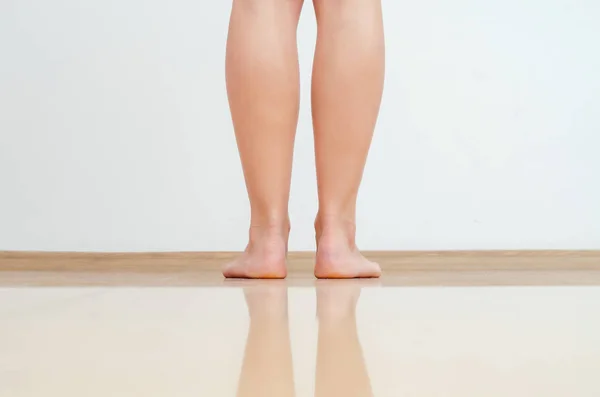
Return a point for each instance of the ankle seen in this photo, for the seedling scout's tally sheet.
(261, 233)
(336, 228)
(269, 226)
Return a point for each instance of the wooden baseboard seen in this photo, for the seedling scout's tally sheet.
(202, 269)
(300, 261)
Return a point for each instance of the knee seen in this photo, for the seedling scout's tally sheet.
(346, 10)
(261, 5)
(338, 6)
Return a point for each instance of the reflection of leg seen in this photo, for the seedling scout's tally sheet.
(341, 369)
(267, 368)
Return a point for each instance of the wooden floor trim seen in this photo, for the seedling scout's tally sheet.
(301, 261)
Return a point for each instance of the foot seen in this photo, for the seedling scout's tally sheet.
(264, 257)
(338, 256)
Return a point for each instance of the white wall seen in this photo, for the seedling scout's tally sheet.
(115, 133)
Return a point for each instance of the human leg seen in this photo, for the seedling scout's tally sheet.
(263, 89)
(347, 87)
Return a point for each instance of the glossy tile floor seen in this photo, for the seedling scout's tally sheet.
(328, 339)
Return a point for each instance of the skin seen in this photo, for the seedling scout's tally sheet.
(263, 89)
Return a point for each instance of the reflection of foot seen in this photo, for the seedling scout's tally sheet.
(341, 369)
(267, 368)
(338, 257)
(337, 300)
(267, 300)
(264, 257)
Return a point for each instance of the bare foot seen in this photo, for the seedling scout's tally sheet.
(338, 256)
(264, 257)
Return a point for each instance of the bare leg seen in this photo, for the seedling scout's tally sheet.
(347, 88)
(267, 369)
(263, 88)
(341, 369)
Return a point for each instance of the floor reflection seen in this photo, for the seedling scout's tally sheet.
(267, 365)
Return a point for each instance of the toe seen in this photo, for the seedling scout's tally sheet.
(375, 270)
(232, 271)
